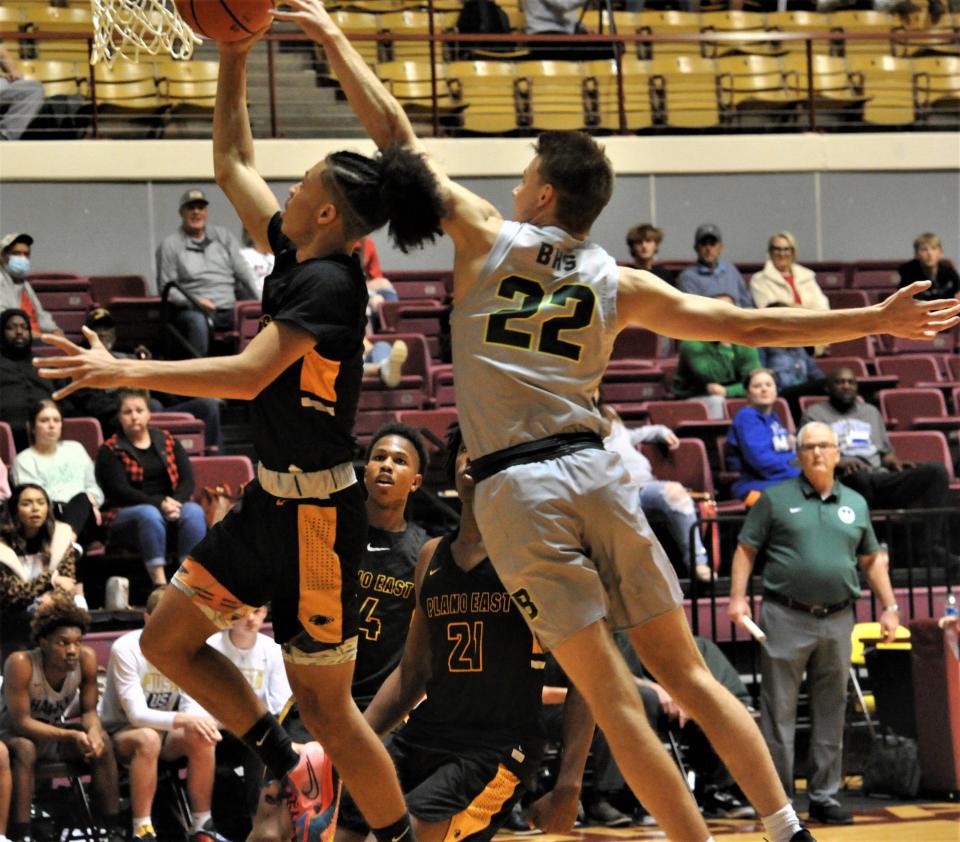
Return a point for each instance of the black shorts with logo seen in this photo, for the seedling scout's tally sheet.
(302, 556)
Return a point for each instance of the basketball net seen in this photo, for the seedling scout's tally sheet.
(128, 27)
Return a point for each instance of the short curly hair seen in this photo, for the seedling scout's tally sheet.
(61, 612)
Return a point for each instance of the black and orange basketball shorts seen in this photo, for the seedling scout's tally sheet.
(300, 555)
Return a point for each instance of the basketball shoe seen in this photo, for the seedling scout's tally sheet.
(311, 795)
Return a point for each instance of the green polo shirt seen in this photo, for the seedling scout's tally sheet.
(812, 544)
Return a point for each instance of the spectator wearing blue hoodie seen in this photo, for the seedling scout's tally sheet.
(759, 446)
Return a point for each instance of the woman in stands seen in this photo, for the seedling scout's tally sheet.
(63, 468)
(784, 281)
(28, 570)
(148, 481)
(759, 447)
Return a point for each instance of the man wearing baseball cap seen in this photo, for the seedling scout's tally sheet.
(205, 260)
(15, 289)
(710, 276)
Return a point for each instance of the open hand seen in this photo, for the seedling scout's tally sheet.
(310, 15)
(909, 318)
(87, 368)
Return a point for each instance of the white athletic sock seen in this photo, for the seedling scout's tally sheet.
(142, 821)
(199, 820)
(783, 824)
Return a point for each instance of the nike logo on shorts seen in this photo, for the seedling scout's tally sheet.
(373, 549)
(261, 741)
(312, 791)
(398, 838)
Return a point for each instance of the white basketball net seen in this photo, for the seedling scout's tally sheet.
(127, 27)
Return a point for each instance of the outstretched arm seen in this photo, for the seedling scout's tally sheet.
(466, 214)
(233, 162)
(646, 301)
(243, 375)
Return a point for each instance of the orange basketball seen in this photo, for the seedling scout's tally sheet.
(225, 20)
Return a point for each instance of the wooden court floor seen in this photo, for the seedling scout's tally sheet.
(914, 822)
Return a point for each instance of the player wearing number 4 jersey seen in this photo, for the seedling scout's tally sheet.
(536, 310)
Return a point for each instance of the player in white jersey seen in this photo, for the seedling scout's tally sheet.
(150, 719)
(536, 309)
(39, 687)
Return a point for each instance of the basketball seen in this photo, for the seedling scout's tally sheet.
(225, 20)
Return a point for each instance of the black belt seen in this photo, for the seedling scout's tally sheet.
(552, 447)
(816, 610)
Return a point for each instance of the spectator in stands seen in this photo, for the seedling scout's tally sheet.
(711, 372)
(379, 287)
(644, 242)
(103, 404)
(560, 17)
(717, 793)
(759, 447)
(148, 481)
(40, 685)
(710, 276)
(151, 719)
(15, 289)
(261, 262)
(29, 570)
(20, 99)
(814, 531)
(667, 500)
(260, 660)
(869, 464)
(20, 384)
(928, 264)
(64, 469)
(784, 281)
(795, 372)
(206, 261)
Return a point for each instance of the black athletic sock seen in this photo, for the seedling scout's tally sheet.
(271, 743)
(401, 829)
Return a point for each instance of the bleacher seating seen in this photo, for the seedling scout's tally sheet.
(916, 409)
(211, 471)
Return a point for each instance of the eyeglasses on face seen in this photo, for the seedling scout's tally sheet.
(817, 445)
(781, 249)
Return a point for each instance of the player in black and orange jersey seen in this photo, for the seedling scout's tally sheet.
(466, 751)
(396, 463)
(297, 538)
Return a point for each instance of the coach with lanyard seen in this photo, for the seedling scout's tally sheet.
(815, 530)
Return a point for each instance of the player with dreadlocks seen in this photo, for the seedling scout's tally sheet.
(297, 538)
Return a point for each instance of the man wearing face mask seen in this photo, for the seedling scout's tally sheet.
(15, 289)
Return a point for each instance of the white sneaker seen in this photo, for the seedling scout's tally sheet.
(391, 369)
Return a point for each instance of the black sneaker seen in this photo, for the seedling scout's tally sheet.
(829, 814)
(726, 804)
(604, 813)
(517, 824)
(802, 835)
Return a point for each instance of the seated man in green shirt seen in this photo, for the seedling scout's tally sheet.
(711, 372)
(815, 531)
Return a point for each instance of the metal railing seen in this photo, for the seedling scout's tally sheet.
(806, 98)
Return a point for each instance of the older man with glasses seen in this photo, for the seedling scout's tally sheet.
(815, 532)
